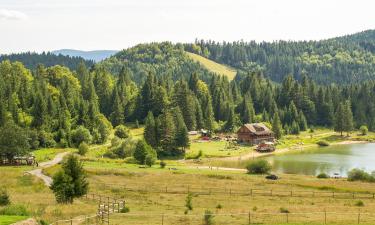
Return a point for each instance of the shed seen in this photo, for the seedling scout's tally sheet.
(255, 133)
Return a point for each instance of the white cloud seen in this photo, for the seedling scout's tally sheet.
(6, 14)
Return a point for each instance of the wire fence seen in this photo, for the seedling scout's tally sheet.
(245, 218)
(184, 189)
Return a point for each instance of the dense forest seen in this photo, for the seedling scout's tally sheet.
(31, 60)
(341, 60)
(159, 86)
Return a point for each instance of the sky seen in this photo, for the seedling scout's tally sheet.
(45, 25)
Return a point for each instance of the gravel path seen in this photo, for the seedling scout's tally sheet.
(39, 173)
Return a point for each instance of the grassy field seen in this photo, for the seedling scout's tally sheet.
(213, 66)
(6, 220)
(155, 194)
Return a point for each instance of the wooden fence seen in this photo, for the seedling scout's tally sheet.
(184, 189)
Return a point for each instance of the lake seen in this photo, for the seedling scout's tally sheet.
(332, 159)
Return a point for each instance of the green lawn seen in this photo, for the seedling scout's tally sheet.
(216, 149)
(6, 220)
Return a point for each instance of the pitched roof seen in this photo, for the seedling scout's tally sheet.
(258, 128)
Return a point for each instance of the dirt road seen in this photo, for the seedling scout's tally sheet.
(39, 173)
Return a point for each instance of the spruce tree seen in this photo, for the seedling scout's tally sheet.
(276, 126)
(150, 130)
(348, 117)
(340, 119)
(181, 136)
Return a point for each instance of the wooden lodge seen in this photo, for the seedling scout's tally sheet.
(255, 133)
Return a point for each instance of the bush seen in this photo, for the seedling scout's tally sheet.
(150, 159)
(46, 140)
(122, 131)
(258, 167)
(208, 218)
(284, 210)
(363, 129)
(14, 210)
(141, 151)
(81, 134)
(322, 176)
(322, 143)
(162, 164)
(359, 203)
(360, 175)
(83, 148)
(219, 206)
(189, 202)
(4, 198)
(125, 210)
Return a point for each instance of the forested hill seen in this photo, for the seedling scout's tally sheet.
(162, 59)
(339, 60)
(31, 60)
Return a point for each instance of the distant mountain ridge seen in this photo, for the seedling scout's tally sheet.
(96, 55)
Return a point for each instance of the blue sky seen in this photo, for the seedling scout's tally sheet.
(43, 25)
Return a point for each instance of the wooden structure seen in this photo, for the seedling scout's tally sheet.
(255, 133)
(18, 160)
(266, 147)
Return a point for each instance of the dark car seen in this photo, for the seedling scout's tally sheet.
(272, 177)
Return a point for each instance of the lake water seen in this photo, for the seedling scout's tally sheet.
(332, 159)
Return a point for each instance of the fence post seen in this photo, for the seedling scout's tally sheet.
(291, 193)
(162, 219)
(249, 218)
(271, 192)
(359, 217)
(333, 194)
(287, 218)
(325, 216)
(166, 189)
(71, 220)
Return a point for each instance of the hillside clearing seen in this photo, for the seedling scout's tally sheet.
(213, 66)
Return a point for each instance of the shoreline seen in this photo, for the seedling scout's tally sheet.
(254, 154)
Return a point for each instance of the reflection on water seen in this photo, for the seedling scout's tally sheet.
(333, 159)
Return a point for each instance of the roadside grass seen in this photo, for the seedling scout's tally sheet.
(6, 220)
(46, 154)
(38, 199)
(214, 66)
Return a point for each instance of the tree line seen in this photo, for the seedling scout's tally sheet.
(55, 106)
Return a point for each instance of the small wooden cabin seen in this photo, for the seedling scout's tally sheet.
(255, 133)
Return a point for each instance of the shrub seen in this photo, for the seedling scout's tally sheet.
(189, 202)
(46, 140)
(122, 131)
(83, 148)
(258, 167)
(363, 129)
(284, 210)
(219, 206)
(125, 210)
(162, 164)
(208, 218)
(359, 203)
(322, 143)
(359, 175)
(81, 134)
(322, 176)
(141, 151)
(150, 159)
(14, 210)
(4, 198)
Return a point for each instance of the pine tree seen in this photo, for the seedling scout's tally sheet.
(39, 111)
(340, 119)
(117, 115)
(150, 130)
(348, 117)
(181, 136)
(276, 126)
(302, 121)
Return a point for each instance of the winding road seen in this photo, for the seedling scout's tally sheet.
(39, 173)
